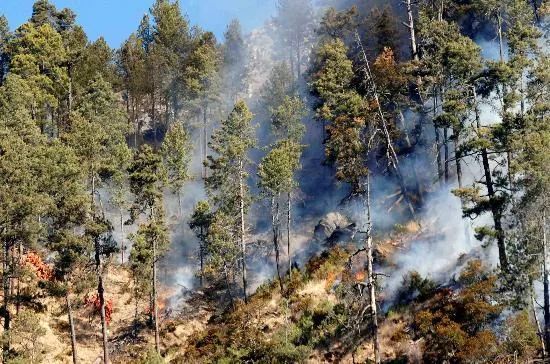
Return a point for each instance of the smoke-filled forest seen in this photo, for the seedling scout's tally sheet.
(355, 181)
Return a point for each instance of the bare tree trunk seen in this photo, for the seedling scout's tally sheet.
(71, 326)
(545, 283)
(437, 140)
(100, 292)
(204, 142)
(500, 38)
(458, 161)
(121, 237)
(275, 226)
(299, 60)
(180, 207)
(535, 5)
(288, 222)
(242, 227)
(99, 272)
(5, 303)
(291, 59)
(372, 278)
(412, 34)
(540, 334)
(155, 307)
(202, 249)
(18, 282)
(410, 147)
(495, 210)
(393, 160)
(446, 149)
(227, 283)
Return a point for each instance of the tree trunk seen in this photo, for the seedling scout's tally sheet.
(99, 272)
(153, 114)
(275, 226)
(446, 149)
(180, 207)
(71, 326)
(495, 210)
(5, 303)
(546, 284)
(291, 59)
(535, 5)
(500, 38)
(437, 140)
(100, 292)
(202, 248)
(227, 283)
(18, 282)
(288, 222)
(155, 307)
(204, 142)
(372, 278)
(412, 34)
(121, 237)
(540, 334)
(393, 160)
(242, 227)
(410, 147)
(299, 60)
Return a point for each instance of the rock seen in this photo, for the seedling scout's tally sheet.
(334, 228)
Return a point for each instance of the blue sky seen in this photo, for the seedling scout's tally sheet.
(116, 19)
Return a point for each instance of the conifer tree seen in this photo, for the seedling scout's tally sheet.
(176, 152)
(69, 209)
(227, 183)
(200, 223)
(147, 178)
(23, 199)
(279, 85)
(234, 60)
(276, 172)
(294, 20)
(97, 133)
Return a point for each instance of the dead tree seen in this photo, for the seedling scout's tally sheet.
(393, 160)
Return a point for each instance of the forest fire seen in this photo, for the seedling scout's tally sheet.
(42, 270)
(280, 190)
(94, 303)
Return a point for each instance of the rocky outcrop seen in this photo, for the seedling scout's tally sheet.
(334, 228)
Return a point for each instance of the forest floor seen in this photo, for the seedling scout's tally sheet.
(199, 316)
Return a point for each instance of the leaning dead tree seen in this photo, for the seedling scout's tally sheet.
(391, 155)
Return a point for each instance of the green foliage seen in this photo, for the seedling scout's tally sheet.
(416, 287)
(231, 144)
(24, 335)
(279, 85)
(176, 152)
(152, 357)
(277, 168)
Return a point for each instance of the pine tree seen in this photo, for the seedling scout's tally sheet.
(176, 152)
(294, 20)
(97, 134)
(4, 39)
(147, 178)
(276, 172)
(227, 183)
(344, 108)
(234, 61)
(278, 86)
(64, 180)
(202, 82)
(200, 223)
(23, 199)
